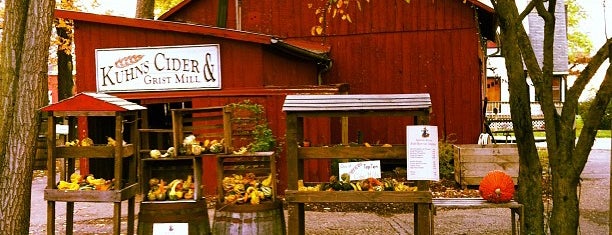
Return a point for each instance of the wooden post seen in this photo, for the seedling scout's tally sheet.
(423, 213)
(50, 171)
(295, 222)
(227, 129)
(177, 130)
(118, 170)
(133, 170)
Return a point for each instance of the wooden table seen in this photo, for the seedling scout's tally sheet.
(479, 203)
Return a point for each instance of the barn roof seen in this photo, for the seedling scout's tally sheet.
(486, 15)
(477, 3)
(303, 50)
(97, 102)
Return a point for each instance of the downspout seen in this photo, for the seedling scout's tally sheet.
(238, 14)
(323, 68)
(483, 72)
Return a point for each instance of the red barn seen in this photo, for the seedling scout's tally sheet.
(271, 48)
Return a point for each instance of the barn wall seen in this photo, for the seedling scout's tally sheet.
(390, 47)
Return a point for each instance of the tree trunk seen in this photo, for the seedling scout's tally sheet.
(65, 82)
(564, 218)
(24, 54)
(570, 160)
(530, 169)
(145, 9)
(566, 157)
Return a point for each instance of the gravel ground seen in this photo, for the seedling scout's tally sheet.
(96, 218)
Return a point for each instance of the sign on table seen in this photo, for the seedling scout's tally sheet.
(422, 152)
(360, 170)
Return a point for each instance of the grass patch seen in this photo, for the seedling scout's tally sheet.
(600, 133)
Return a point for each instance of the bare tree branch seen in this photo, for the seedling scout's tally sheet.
(528, 9)
(543, 12)
(592, 121)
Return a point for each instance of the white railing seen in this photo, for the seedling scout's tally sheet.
(503, 108)
(498, 116)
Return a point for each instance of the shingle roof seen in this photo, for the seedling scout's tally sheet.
(536, 34)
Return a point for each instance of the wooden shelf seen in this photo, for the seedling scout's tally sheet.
(344, 152)
(178, 158)
(92, 195)
(102, 151)
(358, 196)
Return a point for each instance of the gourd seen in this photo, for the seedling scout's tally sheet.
(497, 187)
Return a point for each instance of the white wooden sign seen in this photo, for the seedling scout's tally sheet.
(170, 228)
(360, 170)
(423, 154)
(190, 67)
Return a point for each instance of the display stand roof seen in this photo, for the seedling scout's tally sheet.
(93, 102)
(358, 103)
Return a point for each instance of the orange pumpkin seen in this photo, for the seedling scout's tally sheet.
(497, 187)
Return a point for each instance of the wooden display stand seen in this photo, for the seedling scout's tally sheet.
(297, 107)
(83, 105)
(205, 123)
(264, 218)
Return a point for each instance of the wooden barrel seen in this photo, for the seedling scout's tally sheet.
(265, 218)
(194, 213)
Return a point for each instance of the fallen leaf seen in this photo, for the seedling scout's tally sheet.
(319, 30)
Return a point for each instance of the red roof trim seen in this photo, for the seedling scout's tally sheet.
(173, 10)
(165, 25)
(314, 47)
(481, 5)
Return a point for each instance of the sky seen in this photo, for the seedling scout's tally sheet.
(118, 7)
(598, 25)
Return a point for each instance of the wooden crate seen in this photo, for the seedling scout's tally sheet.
(262, 164)
(472, 161)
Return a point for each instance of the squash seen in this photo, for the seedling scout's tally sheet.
(497, 187)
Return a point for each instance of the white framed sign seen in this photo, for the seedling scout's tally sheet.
(360, 170)
(422, 153)
(189, 67)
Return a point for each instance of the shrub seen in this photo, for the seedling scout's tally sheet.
(446, 156)
(583, 108)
